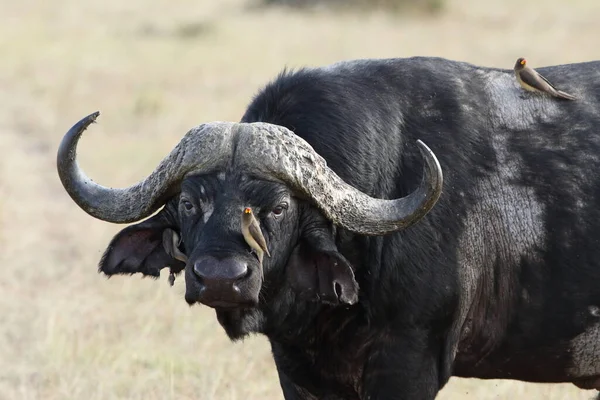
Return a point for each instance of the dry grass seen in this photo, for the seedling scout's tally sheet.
(155, 69)
(404, 6)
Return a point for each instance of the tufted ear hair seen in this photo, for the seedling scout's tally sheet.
(146, 247)
(316, 270)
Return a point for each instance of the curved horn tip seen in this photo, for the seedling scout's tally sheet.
(432, 161)
(433, 175)
(66, 148)
(75, 132)
(87, 121)
(425, 150)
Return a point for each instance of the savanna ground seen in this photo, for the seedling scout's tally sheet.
(155, 69)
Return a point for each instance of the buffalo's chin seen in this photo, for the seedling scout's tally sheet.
(222, 305)
(240, 322)
(240, 301)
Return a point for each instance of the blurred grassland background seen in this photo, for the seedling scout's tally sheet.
(155, 69)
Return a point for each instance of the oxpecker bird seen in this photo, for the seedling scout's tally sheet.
(253, 235)
(533, 81)
(171, 243)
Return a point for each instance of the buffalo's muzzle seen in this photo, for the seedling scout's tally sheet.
(221, 283)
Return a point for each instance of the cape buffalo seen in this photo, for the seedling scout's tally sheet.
(384, 279)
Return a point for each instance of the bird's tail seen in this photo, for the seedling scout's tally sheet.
(565, 95)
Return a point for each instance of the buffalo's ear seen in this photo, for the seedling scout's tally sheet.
(141, 248)
(321, 275)
(316, 270)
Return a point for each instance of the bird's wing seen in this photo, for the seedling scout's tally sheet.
(531, 76)
(546, 80)
(256, 233)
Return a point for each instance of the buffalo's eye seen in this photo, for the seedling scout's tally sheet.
(277, 211)
(187, 205)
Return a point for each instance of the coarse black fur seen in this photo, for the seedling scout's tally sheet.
(495, 282)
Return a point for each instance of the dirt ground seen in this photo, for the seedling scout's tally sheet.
(155, 69)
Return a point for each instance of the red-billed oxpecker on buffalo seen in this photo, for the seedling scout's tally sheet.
(253, 235)
(533, 81)
(384, 279)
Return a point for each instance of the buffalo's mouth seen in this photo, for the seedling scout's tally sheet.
(217, 304)
(195, 295)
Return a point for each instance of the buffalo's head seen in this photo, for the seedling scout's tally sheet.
(205, 183)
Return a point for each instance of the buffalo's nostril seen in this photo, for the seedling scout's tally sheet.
(198, 269)
(243, 272)
(245, 276)
(247, 273)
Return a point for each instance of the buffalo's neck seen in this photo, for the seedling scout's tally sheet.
(325, 346)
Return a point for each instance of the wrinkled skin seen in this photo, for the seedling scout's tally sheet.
(499, 281)
(207, 215)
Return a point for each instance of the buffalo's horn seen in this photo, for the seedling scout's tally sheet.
(276, 152)
(203, 149)
(261, 148)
